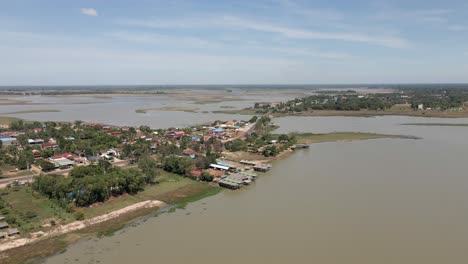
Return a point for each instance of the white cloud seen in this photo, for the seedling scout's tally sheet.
(456, 28)
(387, 41)
(89, 11)
(237, 23)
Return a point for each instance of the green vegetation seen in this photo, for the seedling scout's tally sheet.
(168, 108)
(91, 184)
(417, 101)
(238, 112)
(309, 138)
(436, 124)
(6, 120)
(29, 210)
(31, 111)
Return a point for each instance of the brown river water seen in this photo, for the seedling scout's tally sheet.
(377, 201)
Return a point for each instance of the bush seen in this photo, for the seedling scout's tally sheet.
(30, 214)
(78, 215)
(206, 177)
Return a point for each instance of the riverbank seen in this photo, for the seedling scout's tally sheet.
(106, 218)
(167, 108)
(309, 138)
(360, 113)
(435, 124)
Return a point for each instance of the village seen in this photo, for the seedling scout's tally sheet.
(228, 154)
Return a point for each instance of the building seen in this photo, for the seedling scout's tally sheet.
(12, 232)
(7, 140)
(36, 153)
(50, 145)
(219, 167)
(262, 167)
(36, 141)
(63, 162)
(420, 107)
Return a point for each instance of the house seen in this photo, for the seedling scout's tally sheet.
(192, 153)
(36, 153)
(262, 167)
(215, 173)
(36, 141)
(37, 129)
(140, 136)
(219, 167)
(63, 162)
(420, 107)
(80, 154)
(50, 145)
(7, 140)
(2, 218)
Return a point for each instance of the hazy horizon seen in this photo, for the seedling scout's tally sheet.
(220, 42)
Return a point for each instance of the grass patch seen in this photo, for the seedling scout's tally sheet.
(215, 100)
(167, 108)
(435, 124)
(172, 189)
(31, 111)
(370, 113)
(30, 209)
(6, 120)
(236, 112)
(168, 182)
(309, 138)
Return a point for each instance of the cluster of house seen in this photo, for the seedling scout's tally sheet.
(5, 230)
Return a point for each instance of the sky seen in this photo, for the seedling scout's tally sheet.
(145, 42)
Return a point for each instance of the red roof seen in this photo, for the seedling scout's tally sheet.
(49, 144)
(196, 173)
(64, 155)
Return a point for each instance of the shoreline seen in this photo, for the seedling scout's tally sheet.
(54, 241)
(362, 113)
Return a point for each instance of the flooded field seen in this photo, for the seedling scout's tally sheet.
(378, 201)
(131, 109)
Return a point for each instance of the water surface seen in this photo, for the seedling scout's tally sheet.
(377, 201)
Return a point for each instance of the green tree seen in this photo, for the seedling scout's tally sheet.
(149, 167)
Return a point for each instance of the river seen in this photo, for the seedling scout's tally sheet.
(377, 201)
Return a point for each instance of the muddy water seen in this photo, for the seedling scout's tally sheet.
(377, 201)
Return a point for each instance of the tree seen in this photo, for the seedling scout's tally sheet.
(283, 138)
(25, 159)
(45, 165)
(149, 168)
(206, 177)
(178, 165)
(253, 119)
(22, 140)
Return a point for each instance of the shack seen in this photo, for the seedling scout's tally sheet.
(248, 162)
(4, 225)
(229, 184)
(219, 167)
(13, 232)
(262, 167)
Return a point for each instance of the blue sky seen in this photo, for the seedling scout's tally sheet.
(56, 42)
